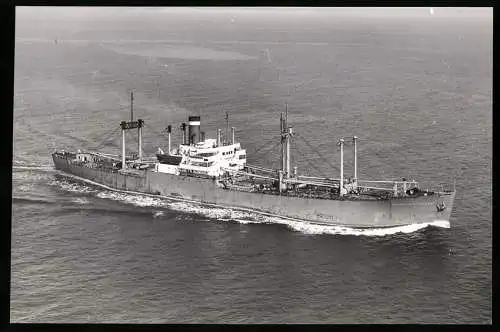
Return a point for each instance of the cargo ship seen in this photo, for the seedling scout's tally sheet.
(214, 171)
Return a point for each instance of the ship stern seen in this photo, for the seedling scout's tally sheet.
(61, 160)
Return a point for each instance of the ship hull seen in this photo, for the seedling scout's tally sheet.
(358, 214)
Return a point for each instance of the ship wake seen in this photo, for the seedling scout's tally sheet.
(342, 230)
(27, 167)
(236, 215)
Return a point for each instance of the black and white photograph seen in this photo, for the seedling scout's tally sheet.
(252, 165)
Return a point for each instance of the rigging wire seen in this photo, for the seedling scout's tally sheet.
(99, 139)
(108, 137)
(307, 162)
(311, 165)
(269, 148)
(273, 157)
(153, 130)
(265, 146)
(316, 151)
(159, 135)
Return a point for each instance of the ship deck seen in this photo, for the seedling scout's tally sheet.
(257, 180)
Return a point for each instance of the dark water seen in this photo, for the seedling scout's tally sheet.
(417, 90)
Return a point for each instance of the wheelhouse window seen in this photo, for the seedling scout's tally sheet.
(206, 154)
(202, 163)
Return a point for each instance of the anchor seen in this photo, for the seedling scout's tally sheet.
(440, 206)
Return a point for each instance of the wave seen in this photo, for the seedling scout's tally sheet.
(72, 187)
(131, 199)
(342, 230)
(27, 179)
(157, 214)
(24, 187)
(80, 200)
(32, 200)
(41, 168)
(249, 217)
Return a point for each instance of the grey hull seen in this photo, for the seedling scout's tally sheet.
(357, 214)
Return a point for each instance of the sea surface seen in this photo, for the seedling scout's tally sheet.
(416, 89)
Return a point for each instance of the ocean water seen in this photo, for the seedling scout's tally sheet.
(416, 89)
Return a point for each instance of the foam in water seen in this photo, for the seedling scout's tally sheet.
(72, 187)
(80, 200)
(440, 223)
(223, 214)
(31, 173)
(142, 201)
(314, 229)
(25, 187)
(157, 214)
(245, 217)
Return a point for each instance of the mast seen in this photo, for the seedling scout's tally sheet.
(354, 140)
(341, 186)
(131, 125)
(137, 124)
(281, 184)
(285, 130)
(139, 133)
(183, 128)
(123, 144)
(131, 106)
(288, 134)
(286, 114)
(227, 130)
(283, 151)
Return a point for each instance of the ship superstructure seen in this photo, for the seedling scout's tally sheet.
(199, 156)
